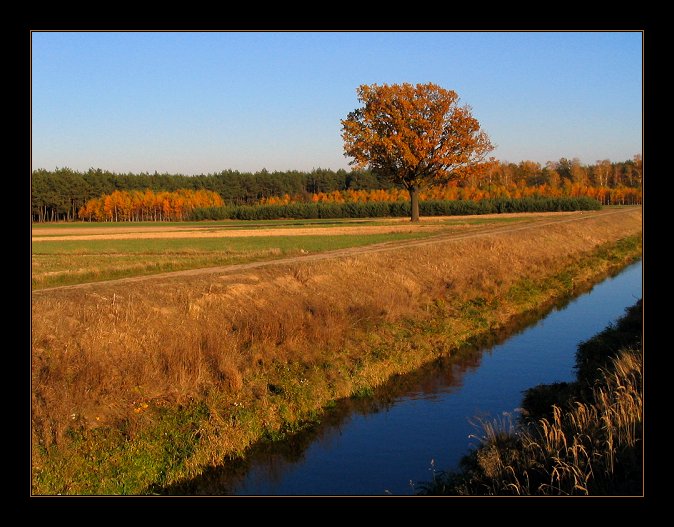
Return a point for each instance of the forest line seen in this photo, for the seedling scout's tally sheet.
(59, 195)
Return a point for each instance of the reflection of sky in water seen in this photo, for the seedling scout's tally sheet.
(371, 453)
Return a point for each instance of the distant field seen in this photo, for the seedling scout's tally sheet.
(55, 229)
(74, 253)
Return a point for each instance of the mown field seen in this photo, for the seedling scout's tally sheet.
(74, 253)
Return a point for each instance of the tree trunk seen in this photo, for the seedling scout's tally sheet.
(414, 202)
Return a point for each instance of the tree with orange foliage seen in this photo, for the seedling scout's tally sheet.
(415, 135)
(135, 205)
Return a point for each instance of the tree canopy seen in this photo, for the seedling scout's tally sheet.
(414, 135)
(58, 195)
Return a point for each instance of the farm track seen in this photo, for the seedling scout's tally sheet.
(355, 251)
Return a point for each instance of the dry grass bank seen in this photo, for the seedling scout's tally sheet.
(251, 345)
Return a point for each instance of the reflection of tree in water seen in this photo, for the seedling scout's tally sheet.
(270, 460)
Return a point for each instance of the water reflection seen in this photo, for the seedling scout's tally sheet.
(271, 460)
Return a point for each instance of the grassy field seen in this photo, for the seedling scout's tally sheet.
(73, 262)
(59, 262)
(137, 386)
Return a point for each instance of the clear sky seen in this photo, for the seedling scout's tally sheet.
(202, 102)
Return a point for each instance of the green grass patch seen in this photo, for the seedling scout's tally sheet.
(153, 246)
(57, 263)
(111, 460)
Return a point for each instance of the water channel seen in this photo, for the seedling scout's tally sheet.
(389, 443)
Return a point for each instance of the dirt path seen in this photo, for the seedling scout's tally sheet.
(354, 251)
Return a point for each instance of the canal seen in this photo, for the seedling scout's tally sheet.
(389, 443)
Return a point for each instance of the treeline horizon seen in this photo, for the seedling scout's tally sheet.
(58, 195)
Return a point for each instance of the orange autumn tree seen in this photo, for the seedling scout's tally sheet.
(415, 135)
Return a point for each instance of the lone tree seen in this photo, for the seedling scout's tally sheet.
(415, 135)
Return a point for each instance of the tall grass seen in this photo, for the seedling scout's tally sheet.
(235, 357)
(593, 447)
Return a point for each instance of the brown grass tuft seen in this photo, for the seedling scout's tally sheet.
(591, 449)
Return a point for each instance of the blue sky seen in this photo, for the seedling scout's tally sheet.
(203, 102)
